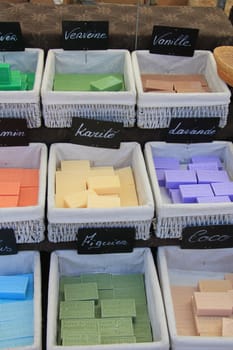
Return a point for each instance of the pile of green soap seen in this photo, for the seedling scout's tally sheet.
(88, 82)
(102, 308)
(15, 80)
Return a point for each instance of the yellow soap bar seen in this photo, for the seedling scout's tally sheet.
(108, 184)
(101, 171)
(76, 200)
(103, 201)
(128, 196)
(125, 175)
(77, 164)
(68, 182)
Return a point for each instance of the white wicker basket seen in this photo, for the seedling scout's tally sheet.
(172, 218)
(27, 263)
(63, 224)
(27, 222)
(155, 110)
(69, 263)
(60, 107)
(23, 104)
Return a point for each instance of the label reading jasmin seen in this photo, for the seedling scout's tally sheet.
(13, 132)
(7, 242)
(103, 240)
(192, 130)
(173, 41)
(96, 133)
(85, 35)
(207, 237)
(11, 37)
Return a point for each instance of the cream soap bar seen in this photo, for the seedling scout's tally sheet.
(212, 303)
(103, 201)
(104, 184)
(76, 200)
(76, 164)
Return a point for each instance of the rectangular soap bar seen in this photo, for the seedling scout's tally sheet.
(81, 291)
(68, 182)
(104, 184)
(77, 309)
(158, 85)
(213, 199)
(126, 280)
(166, 162)
(76, 199)
(13, 286)
(175, 195)
(101, 170)
(9, 188)
(214, 285)
(103, 201)
(206, 176)
(116, 326)
(174, 177)
(109, 83)
(205, 165)
(211, 326)
(189, 193)
(28, 196)
(103, 280)
(75, 164)
(118, 308)
(213, 303)
(81, 339)
(9, 201)
(227, 327)
(207, 158)
(223, 189)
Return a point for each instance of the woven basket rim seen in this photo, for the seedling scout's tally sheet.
(224, 59)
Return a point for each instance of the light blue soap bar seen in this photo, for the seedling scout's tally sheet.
(12, 343)
(18, 328)
(29, 293)
(13, 287)
(17, 309)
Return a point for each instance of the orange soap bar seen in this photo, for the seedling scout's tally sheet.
(28, 196)
(9, 188)
(158, 85)
(210, 326)
(212, 303)
(29, 178)
(8, 201)
(10, 174)
(214, 285)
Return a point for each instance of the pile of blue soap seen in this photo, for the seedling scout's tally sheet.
(16, 310)
(202, 180)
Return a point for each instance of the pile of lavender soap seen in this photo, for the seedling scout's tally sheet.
(202, 180)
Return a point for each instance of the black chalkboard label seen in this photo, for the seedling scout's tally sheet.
(103, 240)
(85, 35)
(13, 132)
(173, 41)
(192, 130)
(207, 237)
(7, 242)
(90, 132)
(11, 38)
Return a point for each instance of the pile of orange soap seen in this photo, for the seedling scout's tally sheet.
(174, 83)
(18, 187)
(209, 307)
(80, 185)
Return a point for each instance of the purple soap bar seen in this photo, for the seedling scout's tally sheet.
(205, 176)
(174, 178)
(189, 193)
(206, 158)
(207, 165)
(175, 195)
(166, 163)
(213, 199)
(160, 177)
(223, 189)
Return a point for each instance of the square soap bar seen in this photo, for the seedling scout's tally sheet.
(189, 193)
(174, 178)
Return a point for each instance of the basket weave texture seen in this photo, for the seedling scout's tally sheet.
(224, 59)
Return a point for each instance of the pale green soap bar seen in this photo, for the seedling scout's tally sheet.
(106, 294)
(117, 340)
(118, 308)
(109, 83)
(144, 339)
(81, 339)
(86, 326)
(116, 326)
(81, 291)
(131, 292)
(103, 280)
(142, 329)
(122, 281)
(77, 309)
(142, 311)
(5, 73)
(80, 82)
(67, 280)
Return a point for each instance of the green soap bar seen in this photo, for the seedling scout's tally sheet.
(131, 292)
(30, 80)
(103, 280)
(106, 294)
(67, 280)
(5, 74)
(109, 83)
(80, 82)
(15, 82)
(128, 280)
(121, 326)
(86, 326)
(142, 328)
(118, 308)
(117, 340)
(98, 310)
(77, 309)
(144, 339)
(81, 339)
(81, 291)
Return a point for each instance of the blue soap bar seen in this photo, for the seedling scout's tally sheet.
(205, 176)
(189, 193)
(160, 177)
(13, 286)
(13, 343)
(174, 178)
(166, 162)
(214, 199)
(223, 189)
(175, 195)
(207, 158)
(17, 309)
(206, 165)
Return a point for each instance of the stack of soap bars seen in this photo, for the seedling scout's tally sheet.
(102, 308)
(15, 80)
(88, 82)
(16, 310)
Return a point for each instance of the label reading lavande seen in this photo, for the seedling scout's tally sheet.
(13, 132)
(96, 133)
(7, 242)
(103, 240)
(192, 130)
(85, 35)
(173, 41)
(11, 38)
(207, 237)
